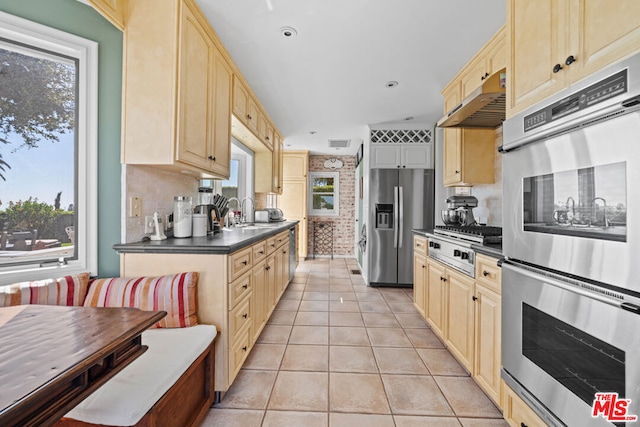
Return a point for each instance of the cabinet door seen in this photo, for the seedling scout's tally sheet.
(221, 141)
(285, 267)
(602, 34)
(240, 101)
(538, 31)
(271, 268)
(496, 56)
(195, 87)
(436, 298)
(253, 114)
(460, 318)
(277, 166)
(473, 77)
(295, 165)
(419, 283)
(385, 156)
(417, 156)
(452, 147)
(516, 412)
(488, 357)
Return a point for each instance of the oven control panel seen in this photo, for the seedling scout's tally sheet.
(609, 87)
(454, 255)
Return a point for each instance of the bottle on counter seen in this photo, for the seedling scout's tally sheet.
(182, 216)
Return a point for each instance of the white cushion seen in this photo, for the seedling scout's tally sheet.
(129, 395)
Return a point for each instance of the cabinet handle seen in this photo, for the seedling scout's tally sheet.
(475, 298)
(485, 76)
(212, 158)
(284, 252)
(457, 172)
(267, 268)
(244, 348)
(244, 316)
(523, 425)
(418, 244)
(404, 166)
(273, 245)
(245, 286)
(261, 252)
(570, 60)
(266, 137)
(485, 273)
(557, 68)
(423, 266)
(245, 262)
(249, 116)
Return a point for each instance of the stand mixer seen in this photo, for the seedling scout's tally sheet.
(460, 211)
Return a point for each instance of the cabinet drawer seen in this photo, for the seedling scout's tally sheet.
(516, 412)
(281, 238)
(271, 245)
(488, 272)
(259, 251)
(240, 317)
(240, 348)
(239, 263)
(239, 288)
(420, 245)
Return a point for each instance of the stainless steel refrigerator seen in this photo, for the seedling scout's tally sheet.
(401, 200)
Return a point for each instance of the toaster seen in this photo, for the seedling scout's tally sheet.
(269, 215)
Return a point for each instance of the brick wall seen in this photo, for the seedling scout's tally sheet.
(344, 224)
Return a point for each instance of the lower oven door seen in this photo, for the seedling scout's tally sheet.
(563, 343)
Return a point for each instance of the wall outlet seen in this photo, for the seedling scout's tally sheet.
(148, 224)
(135, 207)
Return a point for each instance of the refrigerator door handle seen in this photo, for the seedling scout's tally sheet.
(395, 217)
(401, 218)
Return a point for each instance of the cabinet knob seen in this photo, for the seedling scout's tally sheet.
(398, 166)
(244, 348)
(423, 266)
(212, 158)
(475, 298)
(249, 116)
(266, 137)
(485, 76)
(557, 68)
(457, 172)
(403, 166)
(245, 286)
(244, 316)
(570, 60)
(261, 252)
(245, 262)
(523, 425)
(485, 273)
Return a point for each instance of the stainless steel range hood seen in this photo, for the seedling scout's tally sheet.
(483, 108)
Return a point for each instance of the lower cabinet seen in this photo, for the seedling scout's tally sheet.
(516, 412)
(236, 292)
(464, 313)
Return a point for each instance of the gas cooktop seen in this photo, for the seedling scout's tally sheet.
(474, 233)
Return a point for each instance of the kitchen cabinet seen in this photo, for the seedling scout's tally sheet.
(177, 101)
(516, 412)
(491, 59)
(112, 10)
(409, 156)
(554, 44)
(237, 292)
(245, 107)
(293, 200)
(277, 165)
(465, 313)
(419, 273)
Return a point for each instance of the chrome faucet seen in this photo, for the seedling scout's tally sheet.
(253, 206)
(594, 212)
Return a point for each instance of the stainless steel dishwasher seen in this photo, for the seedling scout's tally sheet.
(292, 252)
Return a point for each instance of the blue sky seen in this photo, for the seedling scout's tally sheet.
(38, 172)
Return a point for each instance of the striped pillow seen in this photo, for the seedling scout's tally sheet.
(175, 294)
(68, 290)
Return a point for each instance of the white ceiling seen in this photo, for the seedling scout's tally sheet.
(331, 77)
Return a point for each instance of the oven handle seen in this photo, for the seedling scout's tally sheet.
(575, 286)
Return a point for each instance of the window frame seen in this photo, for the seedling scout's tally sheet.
(336, 194)
(86, 51)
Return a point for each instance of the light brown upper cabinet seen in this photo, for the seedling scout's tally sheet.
(488, 61)
(553, 44)
(112, 10)
(186, 126)
(245, 107)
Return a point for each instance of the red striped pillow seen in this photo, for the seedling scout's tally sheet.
(68, 290)
(175, 294)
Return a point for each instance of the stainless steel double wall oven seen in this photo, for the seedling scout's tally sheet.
(571, 240)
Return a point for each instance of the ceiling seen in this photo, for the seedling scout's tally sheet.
(331, 77)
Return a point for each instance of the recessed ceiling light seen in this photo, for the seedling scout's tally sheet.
(288, 31)
(391, 83)
(313, 132)
(288, 145)
(409, 118)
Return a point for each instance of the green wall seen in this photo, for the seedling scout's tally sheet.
(76, 18)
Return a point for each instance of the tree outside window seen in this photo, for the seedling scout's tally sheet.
(324, 191)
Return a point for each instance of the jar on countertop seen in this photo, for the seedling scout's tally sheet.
(182, 216)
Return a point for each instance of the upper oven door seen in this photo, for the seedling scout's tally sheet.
(572, 202)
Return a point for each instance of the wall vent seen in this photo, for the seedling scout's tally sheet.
(339, 143)
(401, 136)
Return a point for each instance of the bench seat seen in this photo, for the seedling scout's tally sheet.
(151, 383)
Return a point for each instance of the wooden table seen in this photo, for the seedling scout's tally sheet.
(52, 357)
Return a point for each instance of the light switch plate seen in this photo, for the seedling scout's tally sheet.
(135, 207)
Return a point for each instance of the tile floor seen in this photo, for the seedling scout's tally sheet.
(339, 353)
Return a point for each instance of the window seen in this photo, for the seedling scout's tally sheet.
(48, 143)
(240, 182)
(323, 188)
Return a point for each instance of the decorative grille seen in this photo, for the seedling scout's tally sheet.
(401, 136)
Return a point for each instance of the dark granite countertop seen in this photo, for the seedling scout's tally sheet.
(224, 242)
(489, 249)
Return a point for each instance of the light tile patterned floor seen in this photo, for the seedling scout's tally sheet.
(339, 353)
